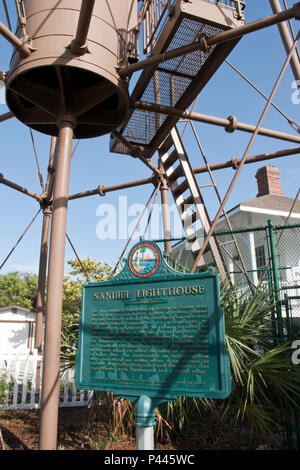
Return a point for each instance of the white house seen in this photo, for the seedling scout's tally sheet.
(17, 330)
(270, 203)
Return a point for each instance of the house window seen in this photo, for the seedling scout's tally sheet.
(260, 255)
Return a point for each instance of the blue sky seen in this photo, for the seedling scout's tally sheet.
(259, 56)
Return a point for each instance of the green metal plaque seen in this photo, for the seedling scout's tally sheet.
(153, 331)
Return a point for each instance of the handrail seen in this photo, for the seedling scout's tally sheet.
(154, 13)
(237, 4)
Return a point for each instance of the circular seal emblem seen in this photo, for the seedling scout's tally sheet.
(144, 259)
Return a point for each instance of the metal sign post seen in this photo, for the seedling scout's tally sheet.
(145, 422)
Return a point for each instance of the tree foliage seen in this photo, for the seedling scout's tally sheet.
(18, 289)
(264, 381)
(77, 276)
(21, 289)
(93, 271)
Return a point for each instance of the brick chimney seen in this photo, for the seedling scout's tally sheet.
(268, 181)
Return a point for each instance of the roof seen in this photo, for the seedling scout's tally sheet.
(10, 307)
(270, 202)
(273, 202)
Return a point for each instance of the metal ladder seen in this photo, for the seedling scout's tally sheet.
(187, 196)
(190, 203)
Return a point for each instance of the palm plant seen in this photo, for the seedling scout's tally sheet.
(264, 380)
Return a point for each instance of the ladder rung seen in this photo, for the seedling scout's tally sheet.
(175, 174)
(180, 189)
(165, 146)
(187, 202)
(190, 217)
(190, 232)
(206, 185)
(192, 238)
(167, 162)
(226, 243)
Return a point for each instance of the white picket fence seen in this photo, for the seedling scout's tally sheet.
(19, 388)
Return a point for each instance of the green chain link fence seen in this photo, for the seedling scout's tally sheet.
(259, 256)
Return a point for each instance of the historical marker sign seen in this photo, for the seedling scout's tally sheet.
(153, 331)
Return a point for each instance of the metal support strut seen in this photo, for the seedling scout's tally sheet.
(50, 388)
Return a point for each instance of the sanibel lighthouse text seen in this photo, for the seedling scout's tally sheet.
(153, 292)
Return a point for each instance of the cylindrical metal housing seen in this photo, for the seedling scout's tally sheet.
(55, 80)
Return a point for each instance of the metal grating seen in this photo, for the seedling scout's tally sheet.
(176, 82)
(170, 81)
(189, 32)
